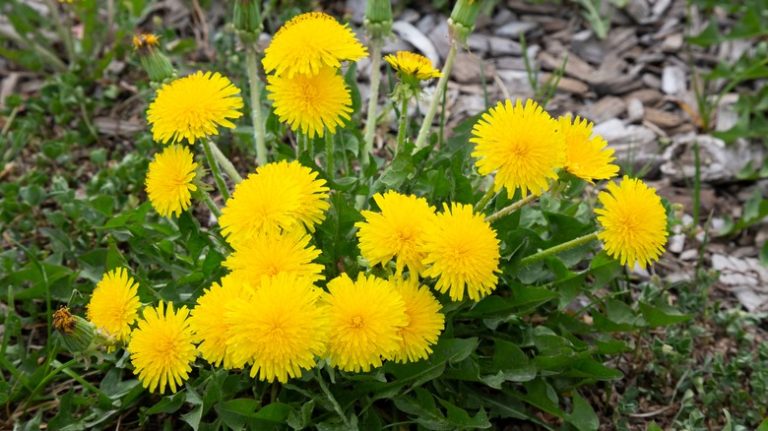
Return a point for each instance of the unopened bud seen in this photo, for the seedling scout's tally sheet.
(463, 17)
(154, 62)
(246, 17)
(378, 18)
(76, 333)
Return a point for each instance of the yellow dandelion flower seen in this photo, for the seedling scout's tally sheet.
(462, 252)
(169, 181)
(412, 65)
(634, 222)
(397, 231)
(114, 304)
(145, 40)
(282, 195)
(586, 156)
(310, 42)
(365, 320)
(311, 103)
(193, 107)
(280, 329)
(162, 348)
(205, 320)
(272, 253)
(521, 144)
(425, 321)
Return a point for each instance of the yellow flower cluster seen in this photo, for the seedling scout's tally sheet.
(306, 88)
(456, 246)
(524, 148)
(189, 108)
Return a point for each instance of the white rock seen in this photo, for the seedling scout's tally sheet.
(673, 80)
(515, 28)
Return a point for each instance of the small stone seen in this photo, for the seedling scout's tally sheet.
(606, 108)
(673, 80)
(676, 243)
(515, 28)
(502, 46)
(634, 110)
(690, 254)
(651, 80)
(514, 63)
(672, 43)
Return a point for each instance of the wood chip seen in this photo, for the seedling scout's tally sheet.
(663, 119)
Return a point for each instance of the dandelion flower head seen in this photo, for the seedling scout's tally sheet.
(310, 42)
(280, 329)
(425, 321)
(311, 103)
(520, 144)
(162, 348)
(170, 180)
(114, 304)
(633, 221)
(411, 65)
(208, 327)
(271, 253)
(366, 317)
(587, 155)
(279, 196)
(396, 231)
(193, 107)
(462, 253)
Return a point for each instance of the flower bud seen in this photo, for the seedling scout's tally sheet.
(247, 17)
(378, 18)
(463, 17)
(154, 62)
(76, 333)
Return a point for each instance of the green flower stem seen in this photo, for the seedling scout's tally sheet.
(206, 198)
(328, 394)
(373, 99)
(64, 32)
(226, 164)
(252, 67)
(330, 166)
(421, 139)
(558, 249)
(511, 208)
(403, 126)
(486, 199)
(220, 184)
(299, 144)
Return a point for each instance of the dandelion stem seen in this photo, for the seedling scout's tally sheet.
(421, 139)
(332, 399)
(486, 199)
(330, 165)
(403, 126)
(558, 249)
(220, 184)
(252, 67)
(206, 198)
(64, 32)
(373, 101)
(226, 164)
(511, 208)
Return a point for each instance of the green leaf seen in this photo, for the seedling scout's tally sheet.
(662, 315)
(582, 417)
(522, 298)
(167, 404)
